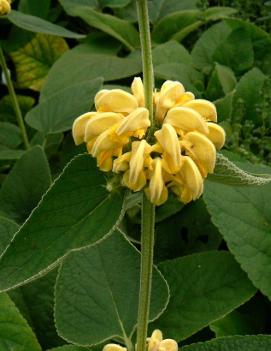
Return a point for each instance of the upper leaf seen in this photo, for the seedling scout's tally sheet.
(76, 211)
(39, 25)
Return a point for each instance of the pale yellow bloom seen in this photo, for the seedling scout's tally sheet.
(5, 7)
(135, 177)
(156, 342)
(168, 140)
(157, 191)
(183, 154)
(138, 91)
(188, 183)
(115, 100)
(114, 347)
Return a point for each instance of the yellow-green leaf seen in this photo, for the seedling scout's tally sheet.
(33, 61)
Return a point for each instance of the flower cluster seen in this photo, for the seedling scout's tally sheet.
(5, 7)
(178, 156)
(154, 343)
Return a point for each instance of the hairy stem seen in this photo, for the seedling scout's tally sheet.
(148, 210)
(14, 100)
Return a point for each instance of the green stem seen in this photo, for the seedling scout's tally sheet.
(148, 210)
(145, 39)
(147, 243)
(14, 100)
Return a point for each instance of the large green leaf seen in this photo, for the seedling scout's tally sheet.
(69, 348)
(10, 135)
(236, 51)
(25, 184)
(57, 113)
(10, 154)
(114, 26)
(15, 333)
(65, 73)
(78, 210)
(243, 217)
(206, 45)
(7, 111)
(203, 287)
(249, 92)
(7, 230)
(33, 61)
(171, 52)
(222, 82)
(40, 8)
(234, 343)
(39, 25)
(106, 277)
(179, 24)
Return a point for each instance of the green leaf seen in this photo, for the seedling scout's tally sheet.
(25, 184)
(206, 45)
(169, 208)
(39, 25)
(171, 52)
(233, 343)
(243, 218)
(65, 73)
(249, 91)
(170, 26)
(57, 113)
(9, 154)
(106, 277)
(120, 29)
(236, 51)
(114, 3)
(10, 135)
(224, 107)
(35, 301)
(249, 319)
(228, 173)
(203, 287)
(69, 348)
(76, 211)
(188, 231)
(33, 61)
(6, 108)
(15, 334)
(179, 24)
(222, 82)
(35, 8)
(190, 78)
(7, 230)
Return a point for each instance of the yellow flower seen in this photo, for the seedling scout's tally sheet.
(157, 191)
(135, 177)
(5, 7)
(182, 151)
(156, 342)
(114, 347)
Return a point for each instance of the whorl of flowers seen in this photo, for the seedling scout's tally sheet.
(175, 154)
(5, 7)
(154, 343)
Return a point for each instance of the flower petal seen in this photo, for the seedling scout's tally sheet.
(217, 135)
(168, 345)
(157, 191)
(170, 93)
(115, 100)
(113, 347)
(79, 126)
(186, 119)
(136, 120)
(121, 164)
(101, 122)
(138, 91)
(137, 160)
(202, 151)
(168, 139)
(204, 107)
